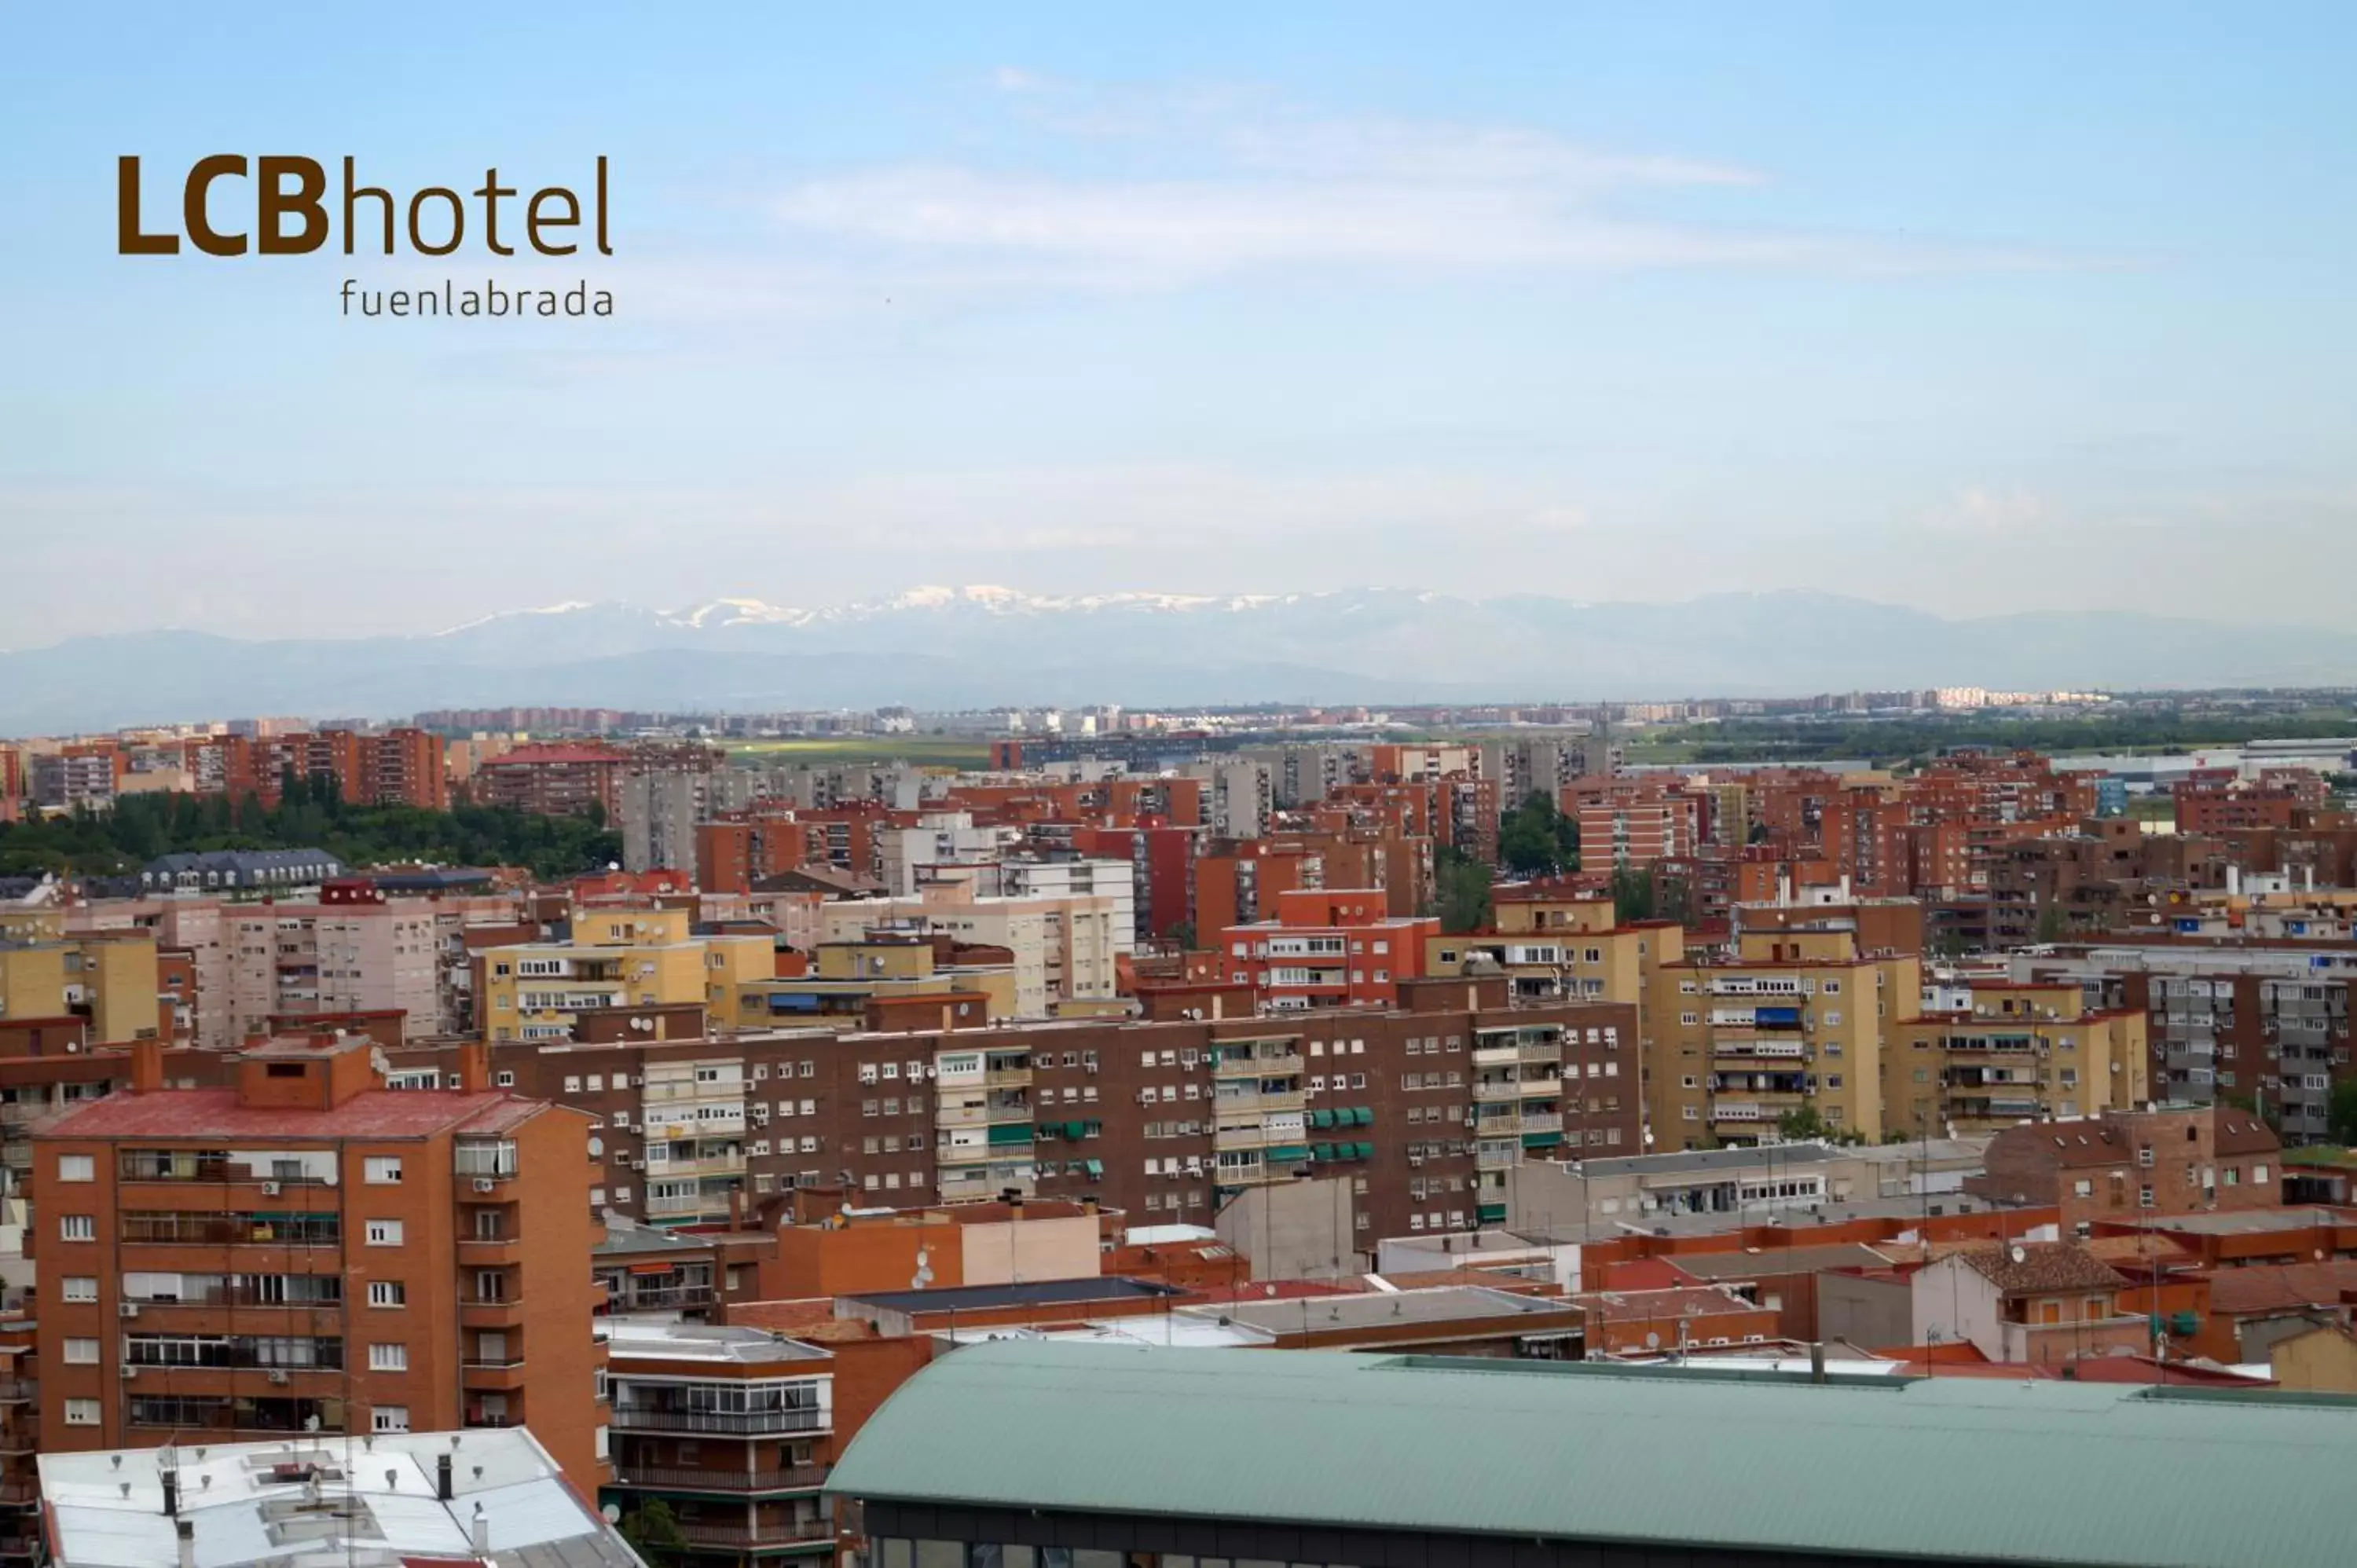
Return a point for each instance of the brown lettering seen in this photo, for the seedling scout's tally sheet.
(457, 221)
(353, 193)
(490, 193)
(276, 204)
(202, 234)
(128, 238)
(533, 222)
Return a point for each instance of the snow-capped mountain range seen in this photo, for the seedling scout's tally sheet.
(976, 646)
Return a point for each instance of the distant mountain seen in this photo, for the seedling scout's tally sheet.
(970, 647)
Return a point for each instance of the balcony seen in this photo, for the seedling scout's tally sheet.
(1497, 1156)
(1494, 1090)
(1263, 1101)
(490, 1314)
(719, 1422)
(678, 1478)
(492, 1377)
(1285, 1065)
(783, 1533)
(1007, 1078)
(489, 1252)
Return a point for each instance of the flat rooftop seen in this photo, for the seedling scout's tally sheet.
(2251, 1222)
(1754, 1261)
(1023, 1293)
(377, 1505)
(1690, 1459)
(1380, 1309)
(182, 1113)
(702, 1342)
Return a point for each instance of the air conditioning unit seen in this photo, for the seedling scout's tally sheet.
(278, 1374)
(270, 1189)
(128, 1309)
(485, 1183)
(129, 1371)
(1416, 1159)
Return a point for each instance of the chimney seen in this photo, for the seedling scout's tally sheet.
(474, 1066)
(1816, 1362)
(146, 1066)
(480, 1533)
(172, 1493)
(187, 1530)
(442, 1476)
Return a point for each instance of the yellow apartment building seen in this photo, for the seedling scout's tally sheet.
(1796, 1019)
(615, 958)
(2012, 1053)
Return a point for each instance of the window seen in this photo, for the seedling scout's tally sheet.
(381, 1170)
(76, 1288)
(81, 1352)
(81, 1413)
(388, 1293)
(2258, 1173)
(77, 1228)
(504, 1079)
(388, 1357)
(385, 1232)
(76, 1167)
(389, 1418)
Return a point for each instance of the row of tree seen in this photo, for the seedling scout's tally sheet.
(309, 814)
(1536, 839)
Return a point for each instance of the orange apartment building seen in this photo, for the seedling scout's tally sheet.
(309, 1251)
(399, 767)
(554, 779)
(1634, 821)
(1327, 948)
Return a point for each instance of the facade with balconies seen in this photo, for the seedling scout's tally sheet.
(732, 1428)
(983, 1132)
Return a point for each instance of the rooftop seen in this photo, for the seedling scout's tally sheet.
(699, 1342)
(1884, 1467)
(2246, 1222)
(1023, 1293)
(1368, 1310)
(1752, 1263)
(216, 1113)
(376, 1504)
(2041, 1268)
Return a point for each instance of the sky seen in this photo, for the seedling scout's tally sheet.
(1970, 307)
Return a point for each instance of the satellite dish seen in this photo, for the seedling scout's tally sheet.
(2020, 1253)
(613, 1513)
(1653, 1341)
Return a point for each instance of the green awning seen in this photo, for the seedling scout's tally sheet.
(1365, 1150)
(1321, 1152)
(1010, 1132)
(1096, 1169)
(1285, 1155)
(1541, 1140)
(1076, 1130)
(1489, 1211)
(1321, 1118)
(1363, 1116)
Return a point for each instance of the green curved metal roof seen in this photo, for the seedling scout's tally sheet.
(2106, 1476)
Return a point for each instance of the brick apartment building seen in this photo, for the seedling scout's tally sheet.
(2137, 1164)
(308, 1251)
(555, 779)
(1421, 1108)
(398, 767)
(1327, 948)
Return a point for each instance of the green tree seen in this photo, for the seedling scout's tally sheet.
(653, 1532)
(1535, 839)
(1803, 1124)
(1462, 886)
(1633, 894)
(2340, 1113)
(2049, 923)
(1183, 933)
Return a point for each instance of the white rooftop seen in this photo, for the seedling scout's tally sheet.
(326, 1502)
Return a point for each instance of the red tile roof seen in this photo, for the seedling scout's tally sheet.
(2280, 1287)
(216, 1113)
(2041, 1268)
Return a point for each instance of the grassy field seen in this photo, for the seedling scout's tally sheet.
(924, 750)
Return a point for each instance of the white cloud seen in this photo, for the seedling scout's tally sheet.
(1231, 182)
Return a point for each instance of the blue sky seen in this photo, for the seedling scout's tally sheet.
(1969, 307)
